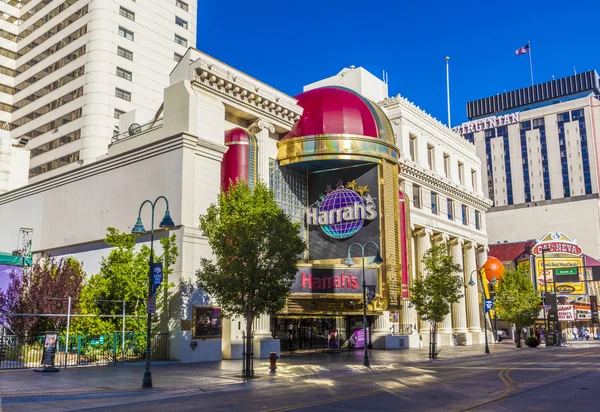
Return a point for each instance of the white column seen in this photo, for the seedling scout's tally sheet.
(424, 246)
(482, 257)
(473, 309)
(381, 328)
(445, 327)
(459, 309)
(263, 342)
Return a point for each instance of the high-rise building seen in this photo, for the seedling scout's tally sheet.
(70, 68)
(539, 146)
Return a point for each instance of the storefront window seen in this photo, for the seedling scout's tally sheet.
(207, 322)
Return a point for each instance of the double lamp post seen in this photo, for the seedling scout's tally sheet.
(493, 282)
(138, 229)
(349, 262)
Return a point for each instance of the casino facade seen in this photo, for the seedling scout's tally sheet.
(345, 160)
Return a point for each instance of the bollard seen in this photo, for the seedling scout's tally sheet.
(273, 361)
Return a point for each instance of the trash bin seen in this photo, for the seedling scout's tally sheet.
(551, 339)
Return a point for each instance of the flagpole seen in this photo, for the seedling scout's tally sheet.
(530, 64)
(448, 86)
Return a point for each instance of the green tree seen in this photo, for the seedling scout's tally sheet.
(123, 276)
(256, 249)
(516, 300)
(435, 290)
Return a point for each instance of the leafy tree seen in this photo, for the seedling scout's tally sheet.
(42, 289)
(516, 300)
(123, 276)
(256, 249)
(435, 290)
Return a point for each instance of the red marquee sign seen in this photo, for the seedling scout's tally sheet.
(557, 247)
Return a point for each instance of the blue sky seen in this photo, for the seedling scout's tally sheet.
(290, 44)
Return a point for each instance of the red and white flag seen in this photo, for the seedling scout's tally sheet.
(522, 50)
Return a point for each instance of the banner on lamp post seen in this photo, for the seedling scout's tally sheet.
(157, 276)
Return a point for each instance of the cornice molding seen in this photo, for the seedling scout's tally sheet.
(252, 96)
(422, 176)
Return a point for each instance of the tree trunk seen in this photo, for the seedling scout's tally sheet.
(249, 355)
(518, 338)
(432, 340)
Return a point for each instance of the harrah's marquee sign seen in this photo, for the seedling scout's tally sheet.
(321, 280)
(487, 123)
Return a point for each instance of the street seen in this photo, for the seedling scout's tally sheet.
(560, 378)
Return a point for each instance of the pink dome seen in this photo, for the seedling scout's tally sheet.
(337, 110)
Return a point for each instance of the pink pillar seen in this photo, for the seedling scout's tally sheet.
(235, 161)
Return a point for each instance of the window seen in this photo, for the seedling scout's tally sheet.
(122, 94)
(474, 179)
(430, 156)
(61, 101)
(127, 13)
(118, 113)
(413, 147)
(125, 74)
(180, 22)
(417, 196)
(181, 5)
(123, 32)
(52, 125)
(450, 207)
(125, 53)
(181, 41)
(54, 164)
(207, 322)
(446, 165)
(71, 137)
(434, 203)
(461, 173)
(50, 88)
(177, 57)
(477, 220)
(465, 217)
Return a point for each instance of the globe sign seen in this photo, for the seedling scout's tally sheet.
(338, 199)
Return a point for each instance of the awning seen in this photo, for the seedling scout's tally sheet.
(10, 260)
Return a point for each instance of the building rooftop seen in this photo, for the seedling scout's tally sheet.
(543, 94)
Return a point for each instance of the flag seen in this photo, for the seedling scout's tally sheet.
(522, 50)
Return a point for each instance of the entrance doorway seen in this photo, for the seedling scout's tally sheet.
(319, 332)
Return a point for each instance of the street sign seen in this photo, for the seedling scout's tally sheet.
(489, 304)
(566, 271)
(151, 305)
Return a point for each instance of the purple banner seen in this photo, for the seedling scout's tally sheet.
(357, 339)
(5, 271)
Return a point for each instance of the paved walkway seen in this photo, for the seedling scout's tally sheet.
(219, 376)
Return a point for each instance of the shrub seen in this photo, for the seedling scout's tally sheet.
(532, 342)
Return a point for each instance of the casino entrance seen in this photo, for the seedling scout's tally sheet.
(319, 332)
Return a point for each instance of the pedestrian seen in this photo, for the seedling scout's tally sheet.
(290, 337)
(537, 333)
(585, 334)
(310, 336)
(575, 334)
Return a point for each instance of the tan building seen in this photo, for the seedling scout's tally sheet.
(539, 149)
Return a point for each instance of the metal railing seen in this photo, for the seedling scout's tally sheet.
(136, 129)
(83, 350)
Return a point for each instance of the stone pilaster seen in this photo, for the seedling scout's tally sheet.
(381, 329)
(472, 293)
(261, 129)
(445, 326)
(459, 309)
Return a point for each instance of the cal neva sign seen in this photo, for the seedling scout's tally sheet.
(487, 123)
(556, 242)
(343, 211)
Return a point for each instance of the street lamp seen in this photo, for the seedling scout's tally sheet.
(349, 262)
(472, 283)
(138, 228)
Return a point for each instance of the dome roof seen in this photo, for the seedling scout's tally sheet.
(235, 135)
(338, 110)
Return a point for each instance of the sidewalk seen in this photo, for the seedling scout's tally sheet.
(219, 376)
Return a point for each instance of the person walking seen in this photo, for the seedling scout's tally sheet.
(575, 333)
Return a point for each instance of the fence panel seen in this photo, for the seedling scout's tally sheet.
(83, 350)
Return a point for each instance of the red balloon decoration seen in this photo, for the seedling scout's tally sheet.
(493, 268)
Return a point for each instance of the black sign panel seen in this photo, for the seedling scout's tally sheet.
(50, 344)
(594, 308)
(316, 280)
(353, 211)
(553, 313)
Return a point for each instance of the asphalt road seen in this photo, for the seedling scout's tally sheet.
(562, 379)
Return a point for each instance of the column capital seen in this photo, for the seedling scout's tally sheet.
(471, 245)
(457, 241)
(422, 231)
(259, 125)
(483, 248)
